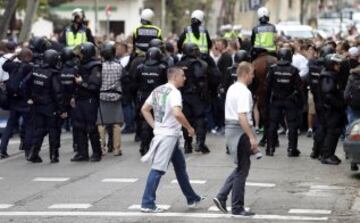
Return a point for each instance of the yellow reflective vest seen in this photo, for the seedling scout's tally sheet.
(202, 42)
(73, 40)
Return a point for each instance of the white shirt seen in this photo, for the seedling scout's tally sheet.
(4, 76)
(238, 100)
(124, 60)
(163, 99)
(301, 63)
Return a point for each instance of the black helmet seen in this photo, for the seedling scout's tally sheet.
(326, 50)
(153, 55)
(52, 59)
(191, 49)
(87, 50)
(240, 56)
(156, 43)
(331, 60)
(285, 54)
(39, 44)
(67, 54)
(107, 50)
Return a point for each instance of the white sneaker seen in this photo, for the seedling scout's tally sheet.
(152, 210)
(196, 203)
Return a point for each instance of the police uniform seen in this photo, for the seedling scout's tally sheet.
(86, 109)
(283, 96)
(148, 76)
(73, 37)
(143, 34)
(48, 102)
(194, 95)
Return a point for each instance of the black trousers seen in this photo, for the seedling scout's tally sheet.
(333, 127)
(194, 110)
(237, 179)
(319, 134)
(85, 117)
(277, 109)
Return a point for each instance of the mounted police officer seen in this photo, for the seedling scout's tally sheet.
(315, 68)
(88, 83)
(47, 106)
(149, 75)
(76, 33)
(263, 37)
(284, 95)
(195, 94)
(333, 106)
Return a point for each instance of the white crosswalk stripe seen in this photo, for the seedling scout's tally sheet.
(191, 181)
(256, 184)
(309, 211)
(326, 187)
(120, 180)
(5, 206)
(136, 207)
(70, 206)
(51, 179)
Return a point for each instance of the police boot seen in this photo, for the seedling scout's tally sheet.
(33, 155)
(293, 152)
(21, 146)
(315, 154)
(270, 151)
(188, 146)
(143, 149)
(54, 155)
(201, 147)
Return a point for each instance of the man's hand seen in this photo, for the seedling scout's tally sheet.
(63, 115)
(254, 145)
(78, 79)
(191, 131)
(72, 102)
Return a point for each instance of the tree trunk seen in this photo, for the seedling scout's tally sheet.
(5, 21)
(31, 7)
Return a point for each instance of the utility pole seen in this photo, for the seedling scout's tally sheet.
(163, 15)
(31, 7)
(96, 10)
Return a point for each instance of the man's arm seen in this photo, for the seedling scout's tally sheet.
(146, 112)
(248, 131)
(180, 117)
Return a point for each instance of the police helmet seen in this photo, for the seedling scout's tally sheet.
(78, 12)
(107, 50)
(285, 54)
(263, 14)
(326, 50)
(156, 43)
(39, 44)
(198, 15)
(147, 14)
(153, 55)
(190, 49)
(52, 58)
(240, 56)
(331, 60)
(87, 50)
(67, 54)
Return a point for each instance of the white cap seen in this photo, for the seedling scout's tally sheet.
(147, 14)
(237, 27)
(354, 51)
(262, 12)
(198, 14)
(226, 27)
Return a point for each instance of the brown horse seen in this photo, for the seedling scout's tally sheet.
(261, 65)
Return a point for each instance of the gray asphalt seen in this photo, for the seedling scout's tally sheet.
(290, 183)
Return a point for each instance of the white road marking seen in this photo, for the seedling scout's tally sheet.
(326, 187)
(215, 209)
(1, 178)
(356, 204)
(191, 181)
(5, 206)
(70, 206)
(15, 141)
(309, 211)
(318, 193)
(120, 180)
(254, 184)
(166, 214)
(136, 207)
(51, 179)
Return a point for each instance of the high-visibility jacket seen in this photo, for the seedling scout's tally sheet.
(143, 34)
(74, 39)
(202, 42)
(265, 37)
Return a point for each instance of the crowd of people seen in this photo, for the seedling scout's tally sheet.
(130, 86)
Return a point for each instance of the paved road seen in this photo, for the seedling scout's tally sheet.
(280, 189)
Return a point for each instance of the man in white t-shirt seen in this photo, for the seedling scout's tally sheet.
(240, 139)
(166, 103)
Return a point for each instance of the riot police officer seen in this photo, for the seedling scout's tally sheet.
(68, 72)
(284, 95)
(333, 106)
(149, 75)
(38, 45)
(195, 95)
(315, 68)
(166, 58)
(88, 83)
(47, 106)
(231, 76)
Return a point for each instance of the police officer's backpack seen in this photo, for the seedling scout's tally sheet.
(354, 100)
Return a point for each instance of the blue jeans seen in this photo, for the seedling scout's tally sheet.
(153, 180)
